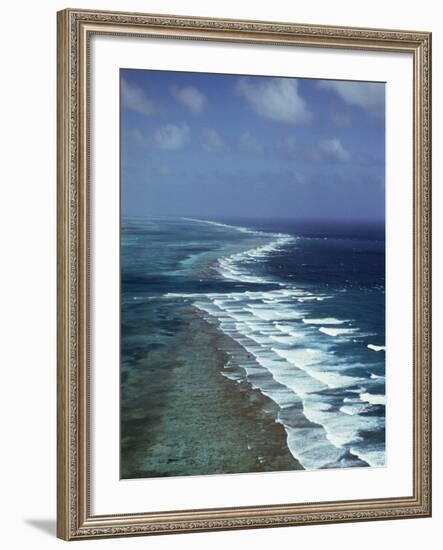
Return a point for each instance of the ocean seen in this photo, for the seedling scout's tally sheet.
(300, 310)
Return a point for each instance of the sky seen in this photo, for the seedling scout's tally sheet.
(231, 146)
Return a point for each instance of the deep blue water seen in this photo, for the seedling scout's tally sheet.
(305, 300)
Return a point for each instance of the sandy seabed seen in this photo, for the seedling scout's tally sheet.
(180, 415)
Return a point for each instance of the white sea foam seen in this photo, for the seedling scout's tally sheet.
(314, 362)
(337, 331)
(374, 457)
(185, 295)
(236, 377)
(219, 224)
(354, 408)
(228, 269)
(341, 428)
(287, 329)
(234, 267)
(373, 399)
(283, 371)
(259, 339)
(288, 339)
(300, 356)
(311, 448)
(376, 348)
(274, 314)
(325, 321)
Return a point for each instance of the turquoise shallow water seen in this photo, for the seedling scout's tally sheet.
(304, 306)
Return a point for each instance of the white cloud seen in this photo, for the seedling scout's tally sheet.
(248, 142)
(172, 136)
(341, 120)
(333, 150)
(370, 96)
(134, 98)
(212, 141)
(135, 137)
(190, 97)
(275, 98)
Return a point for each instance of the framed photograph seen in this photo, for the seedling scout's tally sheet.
(243, 274)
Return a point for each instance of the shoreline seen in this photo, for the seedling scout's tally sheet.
(190, 419)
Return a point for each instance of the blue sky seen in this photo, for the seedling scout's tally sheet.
(212, 146)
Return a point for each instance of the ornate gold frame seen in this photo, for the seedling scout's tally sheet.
(75, 28)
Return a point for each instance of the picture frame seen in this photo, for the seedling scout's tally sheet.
(75, 386)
